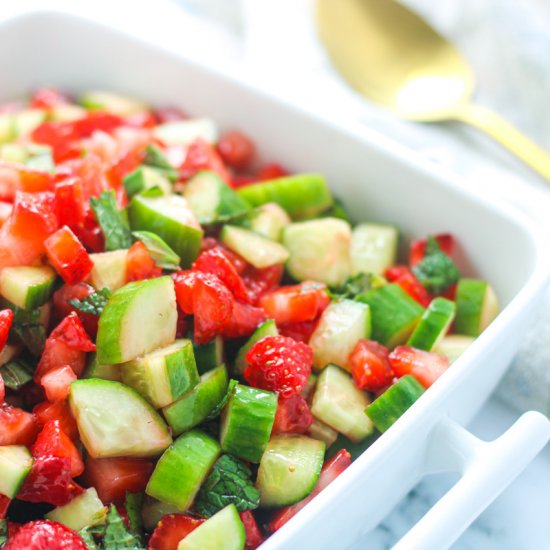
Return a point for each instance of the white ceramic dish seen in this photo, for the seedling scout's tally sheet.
(378, 180)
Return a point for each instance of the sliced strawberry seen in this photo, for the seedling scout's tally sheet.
(171, 529)
(6, 320)
(402, 276)
(202, 156)
(2, 390)
(17, 427)
(254, 536)
(370, 366)
(260, 281)
(60, 411)
(139, 264)
(293, 416)
(425, 366)
(271, 171)
(57, 383)
(44, 535)
(301, 332)
(62, 308)
(69, 205)
(245, 319)
(236, 149)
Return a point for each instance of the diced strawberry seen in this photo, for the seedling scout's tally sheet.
(182, 327)
(254, 536)
(184, 283)
(245, 319)
(401, 275)
(271, 171)
(17, 427)
(69, 202)
(126, 163)
(236, 149)
(2, 390)
(13, 529)
(331, 470)
(53, 441)
(46, 98)
(90, 234)
(18, 177)
(139, 264)
(216, 262)
(90, 171)
(50, 481)
(6, 209)
(260, 281)
(279, 364)
(425, 366)
(57, 383)
(296, 303)
(370, 367)
(169, 114)
(60, 411)
(202, 156)
(418, 248)
(114, 477)
(6, 320)
(67, 255)
(4, 505)
(45, 534)
(62, 308)
(171, 529)
(301, 332)
(293, 416)
(141, 120)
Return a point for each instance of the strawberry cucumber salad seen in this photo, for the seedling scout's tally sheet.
(194, 345)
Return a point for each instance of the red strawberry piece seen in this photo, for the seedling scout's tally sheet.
(280, 364)
(236, 149)
(45, 535)
(245, 319)
(293, 415)
(301, 332)
(4, 505)
(17, 427)
(6, 319)
(254, 536)
(370, 367)
(425, 366)
(171, 529)
(260, 281)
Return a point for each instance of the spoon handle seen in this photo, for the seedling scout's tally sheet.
(502, 131)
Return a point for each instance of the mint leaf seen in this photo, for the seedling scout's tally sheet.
(3, 531)
(94, 303)
(230, 482)
(117, 537)
(155, 157)
(17, 373)
(112, 221)
(436, 271)
(161, 253)
(87, 535)
(358, 284)
(27, 325)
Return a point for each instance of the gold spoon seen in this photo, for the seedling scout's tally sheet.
(393, 57)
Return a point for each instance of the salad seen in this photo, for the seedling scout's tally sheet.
(193, 345)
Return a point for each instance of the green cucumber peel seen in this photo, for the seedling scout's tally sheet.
(133, 504)
(161, 253)
(112, 221)
(216, 411)
(29, 327)
(433, 325)
(267, 328)
(94, 303)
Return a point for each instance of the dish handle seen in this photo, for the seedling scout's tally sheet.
(487, 468)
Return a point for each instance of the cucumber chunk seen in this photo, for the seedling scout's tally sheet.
(302, 195)
(341, 326)
(212, 200)
(389, 406)
(394, 314)
(323, 432)
(28, 120)
(15, 464)
(268, 220)
(208, 356)
(433, 325)
(319, 250)
(67, 112)
(137, 319)
(163, 375)
(289, 469)
(82, 511)
(114, 420)
(143, 178)
(172, 220)
(109, 270)
(338, 403)
(223, 531)
(185, 132)
(269, 328)
(27, 287)
(476, 306)
(247, 421)
(192, 408)
(7, 127)
(255, 249)
(454, 345)
(182, 468)
(105, 372)
(373, 248)
(152, 510)
(112, 102)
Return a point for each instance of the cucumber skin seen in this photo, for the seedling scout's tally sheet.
(194, 406)
(247, 421)
(394, 314)
(11, 490)
(182, 468)
(433, 325)
(182, 380)
(470, 299)
(389, 406)
(302, 196)
(37, 295)
(267, 328)
(208, 356)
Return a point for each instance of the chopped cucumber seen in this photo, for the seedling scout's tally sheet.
(137, 319)
(247, 421)
(373, 248)
(112, 102)
(7, 127)
(26, 121)
(27, 287)
(114, 420)
(192, 408)
(185, 132)
(309, 387)
(160, 252)
(323, 432)
(338, 403)
(433, 325)
(14, 152)
(172, 220)
(182, 468)
(341, 326)
(302, 196)
(255, 249)
(454, 345)
(163, 375)
(476, 306)
(15, 464)
(394, 314)
(223, 531)
(319, 250)
(212, 200)
(143, 178)
(153, 510)
(389, 406)
(289, 469)
(208, 356)
(105, 372)
(269, 328)
(67, 112)
(82, 511)
(109, 270)
(268, 220)
(155, 158)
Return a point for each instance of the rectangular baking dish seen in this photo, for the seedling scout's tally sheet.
(380, 181)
